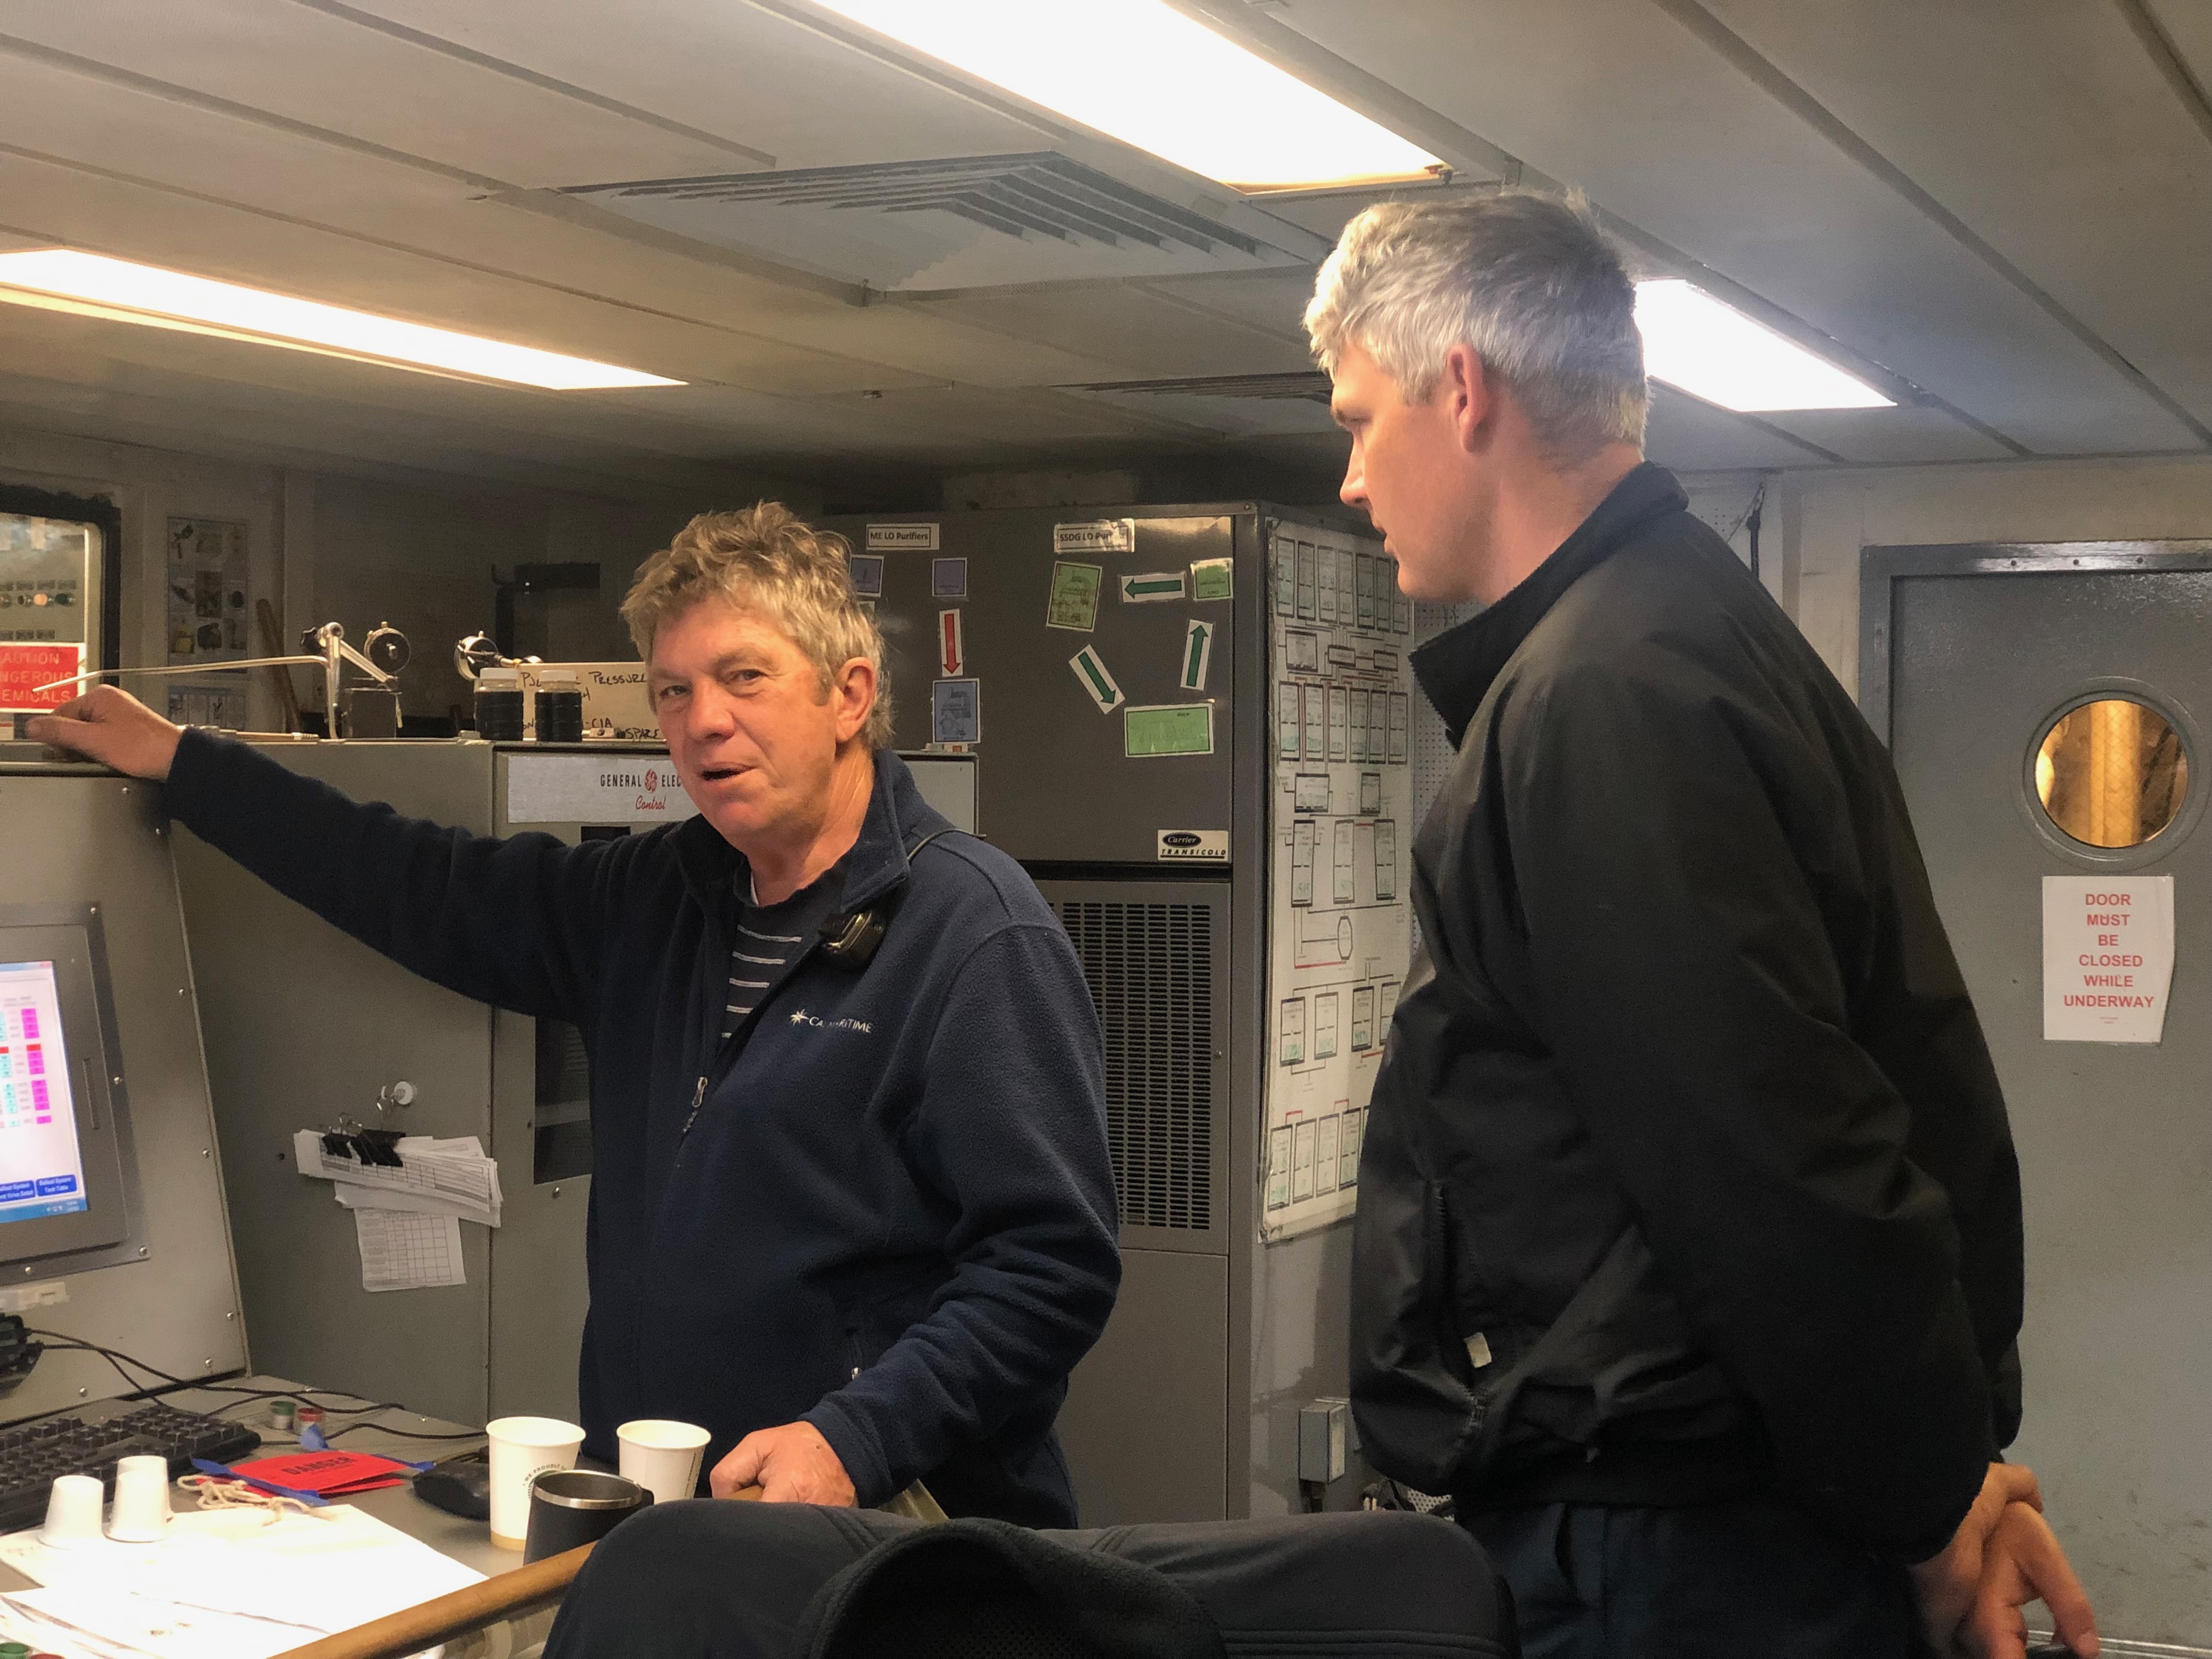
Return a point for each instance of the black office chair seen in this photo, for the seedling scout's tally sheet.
(707, 1580)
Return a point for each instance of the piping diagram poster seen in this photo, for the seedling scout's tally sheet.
(1340, 915)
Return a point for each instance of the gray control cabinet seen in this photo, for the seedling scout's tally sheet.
(84, 843)
(1158, 865)
(303, 1024)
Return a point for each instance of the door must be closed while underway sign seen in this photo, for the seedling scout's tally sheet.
(2107, 957)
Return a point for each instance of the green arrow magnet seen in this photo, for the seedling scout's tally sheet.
(1153, 588)
(1197, 654)
(1090, 673)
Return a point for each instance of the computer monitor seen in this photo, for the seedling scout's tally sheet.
(64, 1150)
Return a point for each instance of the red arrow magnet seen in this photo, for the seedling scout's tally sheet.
(954, 651)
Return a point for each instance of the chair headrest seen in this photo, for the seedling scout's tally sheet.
(984, 1589)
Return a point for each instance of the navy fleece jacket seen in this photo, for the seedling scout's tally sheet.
(891, 1212)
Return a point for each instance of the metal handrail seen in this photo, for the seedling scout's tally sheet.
(335, 654)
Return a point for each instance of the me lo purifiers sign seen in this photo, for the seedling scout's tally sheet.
(2107, 957)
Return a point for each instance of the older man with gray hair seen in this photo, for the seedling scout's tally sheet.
(851, 1207)
(1688, 1248)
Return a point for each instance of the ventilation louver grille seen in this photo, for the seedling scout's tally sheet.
(1150, 968)
(1038, 195)
(1305, 386)
(960, 222)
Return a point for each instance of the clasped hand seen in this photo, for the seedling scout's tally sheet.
(2003, 1557)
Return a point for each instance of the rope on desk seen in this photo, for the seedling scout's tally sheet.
(507, 1596)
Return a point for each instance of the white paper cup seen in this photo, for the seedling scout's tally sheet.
(141, 1515)
(662, 1457)
(522, 1449)
(72, 1512)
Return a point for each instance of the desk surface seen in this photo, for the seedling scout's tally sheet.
(466, 1541)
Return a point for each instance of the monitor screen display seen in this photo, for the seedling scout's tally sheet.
(41, 1165)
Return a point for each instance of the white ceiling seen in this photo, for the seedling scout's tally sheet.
(2001, 209)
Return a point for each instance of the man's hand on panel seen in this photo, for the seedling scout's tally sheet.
(110, 725)
(793, 1464)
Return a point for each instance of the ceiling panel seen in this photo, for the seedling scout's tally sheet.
(202, 417)
(2187, 24)
(943, 424)
(1322, 455)
(1197, 415)
(1141, 332)
(2048, 137)
(314, 68)
(157, 223)
(2045, 126)
(1274, 302)
(645, 421)
(1617, 97)
(729, 67)
(1874, 436)
(777, 338)
(1690, 436)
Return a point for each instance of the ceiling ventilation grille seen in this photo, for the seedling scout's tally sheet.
(1305, 385)
(963, 222)
(1039, 194)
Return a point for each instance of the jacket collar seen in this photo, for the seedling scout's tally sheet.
(897, 817)
(1456, 668)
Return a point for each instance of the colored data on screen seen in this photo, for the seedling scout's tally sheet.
(41, 1166)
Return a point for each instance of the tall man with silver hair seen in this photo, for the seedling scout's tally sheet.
(1688, 1248)
(852, 1209)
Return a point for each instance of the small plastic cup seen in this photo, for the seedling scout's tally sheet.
(72, 1512)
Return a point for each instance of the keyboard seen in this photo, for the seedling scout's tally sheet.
(32, 1453)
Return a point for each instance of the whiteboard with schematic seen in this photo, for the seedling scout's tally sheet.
(1339, 825)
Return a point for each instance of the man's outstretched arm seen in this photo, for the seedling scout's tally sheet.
(508, 921)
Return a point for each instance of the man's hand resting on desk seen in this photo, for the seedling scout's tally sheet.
(110, 725)
(2003, 1557)
(793, 1464)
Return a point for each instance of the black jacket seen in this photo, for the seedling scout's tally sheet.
(885, 1206)
(1685, 1126)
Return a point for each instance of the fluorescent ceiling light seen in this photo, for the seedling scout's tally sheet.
(94, 284)
(1142, 71)
(1713, 351)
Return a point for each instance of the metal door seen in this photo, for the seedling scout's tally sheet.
(1968, 654)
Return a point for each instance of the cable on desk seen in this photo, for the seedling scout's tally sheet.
(400, 1434)
(114, 1359)
(118, 1360)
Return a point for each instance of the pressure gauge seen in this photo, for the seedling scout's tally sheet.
(387, 647)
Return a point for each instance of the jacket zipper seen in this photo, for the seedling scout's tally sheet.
(726, 1052)
(723, 1056)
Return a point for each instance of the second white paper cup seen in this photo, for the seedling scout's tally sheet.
(663, 1457)
(141, 1514)
(522, 1449)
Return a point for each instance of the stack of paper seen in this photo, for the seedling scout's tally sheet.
(225, 1584)
(408, 1220)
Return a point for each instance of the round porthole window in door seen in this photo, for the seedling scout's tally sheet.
(2111, 773)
